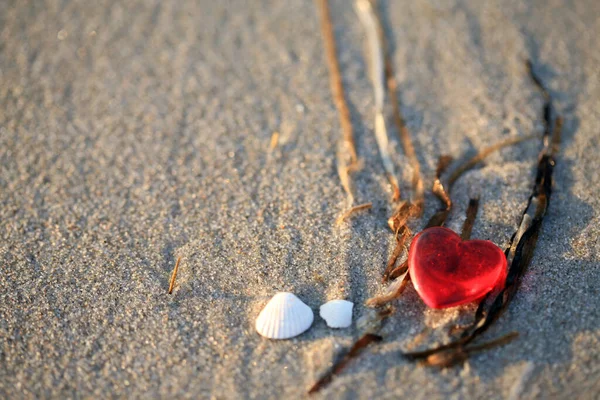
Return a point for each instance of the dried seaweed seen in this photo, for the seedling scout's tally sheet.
(481, 155)
(393, 291)
(174, 276)
(370, 22)
(442, 187)
(348, 159)
(467, 227)
(401, 238)
(523, 242)
(356, 349)
(399, 270)
(417, 198)
(369, 326)
(442, 191)
(382, 75)
(352, 211)
(403, 212)
(397, 223)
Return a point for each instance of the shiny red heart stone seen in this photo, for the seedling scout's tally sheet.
(447, 271)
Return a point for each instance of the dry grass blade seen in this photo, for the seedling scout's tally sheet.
(352, 211)
(274, 141)
(501, 341)
(397, 221)
(174, 276)
(369, 20)
(335, 80)
(343, 169)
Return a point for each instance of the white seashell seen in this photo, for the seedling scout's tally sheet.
(284, 317)
(337, 313)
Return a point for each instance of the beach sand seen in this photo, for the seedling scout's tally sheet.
(136, 132)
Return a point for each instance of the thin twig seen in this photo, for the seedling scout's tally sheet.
(520, 250)
(381, 68)
(352, 211)
(482, 154)
(442, 188)
(339, 98)
(174, 276)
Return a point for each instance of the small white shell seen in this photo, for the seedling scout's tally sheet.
(337, 313)
(284, 317)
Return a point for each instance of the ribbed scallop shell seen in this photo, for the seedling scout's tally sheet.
(337, 313)
(284, 317)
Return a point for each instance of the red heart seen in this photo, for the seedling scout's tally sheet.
(447, 272)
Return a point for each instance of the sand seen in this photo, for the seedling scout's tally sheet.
(136, 132)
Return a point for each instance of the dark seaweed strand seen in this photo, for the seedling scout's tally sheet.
(467, 227)
(548, 108)
(523, 242)
(360, 344)
(520, 255)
